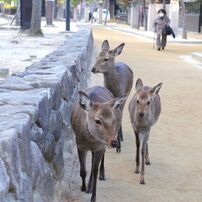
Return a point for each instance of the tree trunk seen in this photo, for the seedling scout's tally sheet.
(144, 15)
(75, 14)
(55, 9)
(35, 28)
(87, 10)
(184, 25)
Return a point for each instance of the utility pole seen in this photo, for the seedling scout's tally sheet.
(67, 15)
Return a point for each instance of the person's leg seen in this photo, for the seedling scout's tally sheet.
(158, 42)
(164, 41)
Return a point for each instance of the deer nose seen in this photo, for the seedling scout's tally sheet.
(93, 70)
(114, 143)
(141, 114)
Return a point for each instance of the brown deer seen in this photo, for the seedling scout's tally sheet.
(118, 77)
(95, 119)
(144, 108)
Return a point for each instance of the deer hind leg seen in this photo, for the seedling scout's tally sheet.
(121, 133)
(102, 169)
(97, 158)
(82, 160)
(137, 169)
(118, 146)
(147, 162)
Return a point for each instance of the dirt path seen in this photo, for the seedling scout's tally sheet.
(175, 174)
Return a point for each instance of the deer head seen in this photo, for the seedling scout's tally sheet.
(103, 119)
(105, 59)
(144, 98)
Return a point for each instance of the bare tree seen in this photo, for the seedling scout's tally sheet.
(184, 25)
(35, 28)
(164, 4)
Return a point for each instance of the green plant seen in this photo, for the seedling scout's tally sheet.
(74, 3)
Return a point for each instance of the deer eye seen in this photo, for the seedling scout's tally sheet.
(98, 122)
(106, 59)
(137, 101)
(148, 103)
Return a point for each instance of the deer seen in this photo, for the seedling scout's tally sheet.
(144, 110)
(118, 77)
(95, 119)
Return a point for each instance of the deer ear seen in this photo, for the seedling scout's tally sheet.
(119, 102)
(155, 90)
(105, 46)
(84, 101)
(139, 84)
(118, 50)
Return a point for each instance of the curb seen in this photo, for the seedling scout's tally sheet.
(197, 56)
(181, 41)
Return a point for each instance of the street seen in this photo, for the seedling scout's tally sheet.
(175, 144)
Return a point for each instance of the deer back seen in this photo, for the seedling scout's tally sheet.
(120, 81)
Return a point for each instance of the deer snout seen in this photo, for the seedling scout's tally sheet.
(93, 70)
(141, 114)
(114, 143)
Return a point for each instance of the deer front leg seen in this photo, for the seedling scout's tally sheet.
(137, 169)
(91, 179)
(82, 160)
(143, 143)
(102, 169)
(98, 156)
(147, 162)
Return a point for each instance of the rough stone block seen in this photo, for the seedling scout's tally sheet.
(38, 136)
(10, 154)
(58, 160)
(4, 180)
(55, 124)
(49, 147)
(15, 83)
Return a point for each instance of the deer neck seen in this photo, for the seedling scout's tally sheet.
(111, 73)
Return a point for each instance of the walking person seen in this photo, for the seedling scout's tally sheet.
(159, 24)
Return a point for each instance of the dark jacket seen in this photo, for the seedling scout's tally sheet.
(169, 31)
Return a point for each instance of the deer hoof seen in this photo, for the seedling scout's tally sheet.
(118, 150)
(89, 191)
(142, 180)
(102, 178)
(147, 163)
(83, 188)
(137, 171)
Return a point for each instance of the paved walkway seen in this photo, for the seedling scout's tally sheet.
(175, 174)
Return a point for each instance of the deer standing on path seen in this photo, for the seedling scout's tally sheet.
(118, 77)
(144, 109)
(95, 119)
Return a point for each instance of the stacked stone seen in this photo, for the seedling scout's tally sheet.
(36, 139)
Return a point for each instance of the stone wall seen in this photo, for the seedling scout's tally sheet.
(37, 146)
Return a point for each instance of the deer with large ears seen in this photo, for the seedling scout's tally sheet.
(95, 119)
(118, 77)
(144, 109)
